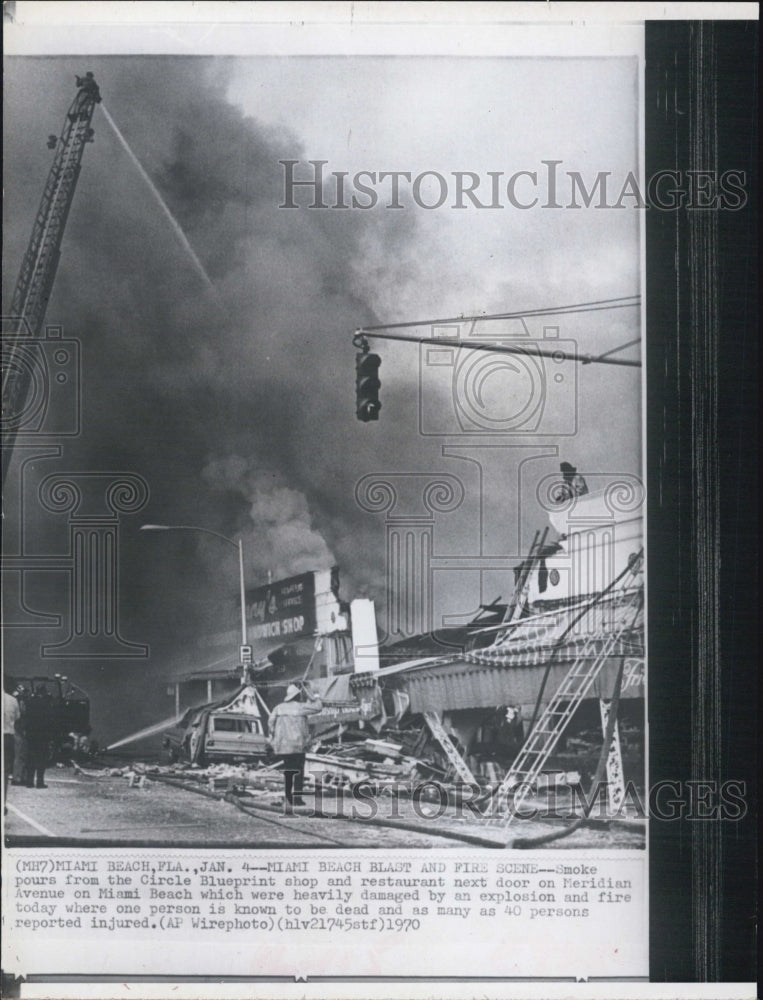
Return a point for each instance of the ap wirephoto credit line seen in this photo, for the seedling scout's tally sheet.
(330, 509)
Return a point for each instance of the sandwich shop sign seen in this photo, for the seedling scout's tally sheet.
(284, 609)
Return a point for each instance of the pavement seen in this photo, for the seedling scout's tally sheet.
(108, 810)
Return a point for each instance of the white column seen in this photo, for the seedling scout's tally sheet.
(615, 779)
(365, 641)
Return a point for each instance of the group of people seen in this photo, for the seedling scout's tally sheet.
(28, 724)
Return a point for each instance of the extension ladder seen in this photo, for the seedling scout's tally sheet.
(544, 736)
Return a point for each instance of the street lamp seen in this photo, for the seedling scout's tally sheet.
(236, 544)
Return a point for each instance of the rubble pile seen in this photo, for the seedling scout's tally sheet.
(393, 760)
(347, 757)
(342, 757)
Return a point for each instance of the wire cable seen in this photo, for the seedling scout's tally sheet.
(597, 305)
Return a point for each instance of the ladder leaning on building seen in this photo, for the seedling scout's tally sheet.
(601, 644)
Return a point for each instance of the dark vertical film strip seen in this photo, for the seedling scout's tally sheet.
(701, 116)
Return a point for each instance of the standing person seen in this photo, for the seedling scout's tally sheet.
(290, 737)
(21, 761)
(11, 716)
(39, 732)
(574, 483)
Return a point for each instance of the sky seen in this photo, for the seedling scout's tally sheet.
(236, 403)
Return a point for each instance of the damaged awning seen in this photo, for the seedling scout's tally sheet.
(343, 703)
(277, 661)
(511, 671)
(228, 669)
(564, 633)
(461, 684)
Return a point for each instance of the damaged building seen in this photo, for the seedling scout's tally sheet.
(527, 687)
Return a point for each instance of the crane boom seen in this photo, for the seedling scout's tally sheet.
(38, 268)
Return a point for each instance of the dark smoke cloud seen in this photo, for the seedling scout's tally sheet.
(281, 535)
(237, 406)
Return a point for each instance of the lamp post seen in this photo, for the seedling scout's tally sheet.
(236, 544)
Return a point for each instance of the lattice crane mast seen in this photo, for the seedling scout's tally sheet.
(38, 268)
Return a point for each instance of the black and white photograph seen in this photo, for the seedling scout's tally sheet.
(334, 497)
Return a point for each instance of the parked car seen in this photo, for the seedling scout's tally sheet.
(207, 733)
